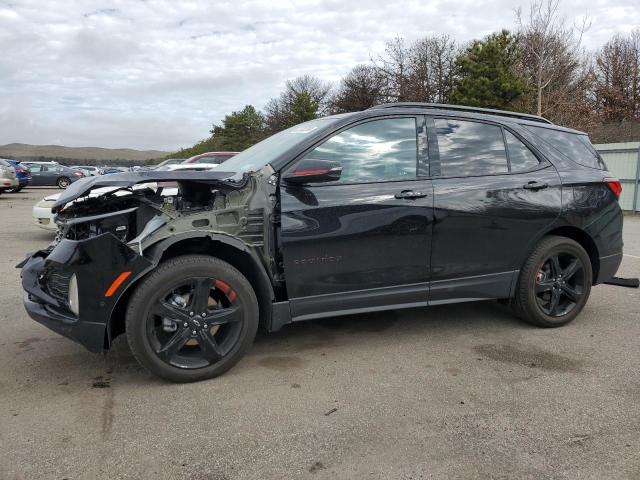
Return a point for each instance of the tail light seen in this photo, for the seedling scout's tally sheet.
(614, 185)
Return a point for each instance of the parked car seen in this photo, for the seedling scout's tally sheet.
(398, 206)
(43, 216)
(166, 163)
(22, 173)
(110, 170)
(8, 178)
(88, 170)
(211, 157)
(52, 174)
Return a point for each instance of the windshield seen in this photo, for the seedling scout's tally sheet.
(263, 153)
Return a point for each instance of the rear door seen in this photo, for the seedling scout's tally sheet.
(493, 196)
(362, 242)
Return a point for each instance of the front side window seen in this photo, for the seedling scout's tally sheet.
(521, 158)
(470, 148)
(380, 150)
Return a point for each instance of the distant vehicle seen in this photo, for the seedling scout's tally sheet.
(166, 163)
(22, 173)
(199, 167)
(211, 157)
(8, 179)
(88, 170)
(42, 214)
(52, 174)
(109, 170)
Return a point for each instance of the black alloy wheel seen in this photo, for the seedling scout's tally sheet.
(560, 284)
(195, 323)
(554, 283)
(192, 318)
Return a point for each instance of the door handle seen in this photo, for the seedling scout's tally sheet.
(535, 185)
(410, 194)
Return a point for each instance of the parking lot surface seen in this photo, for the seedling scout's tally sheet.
(460, 391)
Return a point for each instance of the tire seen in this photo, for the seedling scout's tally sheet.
(63, 182)
(544, 283)
(197, 359)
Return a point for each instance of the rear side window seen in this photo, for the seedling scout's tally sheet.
(574, 146)
(470, 148)
(521, 158)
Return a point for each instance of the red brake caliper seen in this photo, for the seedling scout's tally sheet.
(226, 289)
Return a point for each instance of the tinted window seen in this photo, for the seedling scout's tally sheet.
(573, 145)
(373, 151)
(520, 156)
(470, 148)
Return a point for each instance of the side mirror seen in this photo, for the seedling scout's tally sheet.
(309, 170)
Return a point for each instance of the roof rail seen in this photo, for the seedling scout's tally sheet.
(462, 108)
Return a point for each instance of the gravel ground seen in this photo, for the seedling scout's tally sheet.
(461, 391)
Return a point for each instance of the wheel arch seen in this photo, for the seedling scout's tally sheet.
(584, 240)
(222, 246)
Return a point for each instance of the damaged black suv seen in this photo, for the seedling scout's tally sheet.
(398, 206)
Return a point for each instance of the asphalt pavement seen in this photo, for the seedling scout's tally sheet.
(459, 391)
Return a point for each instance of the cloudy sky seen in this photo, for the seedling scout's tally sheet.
(156, 74)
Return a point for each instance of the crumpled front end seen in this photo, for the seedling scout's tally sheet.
(69, 288)
(103, 240)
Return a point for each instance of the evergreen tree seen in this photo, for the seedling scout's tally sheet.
(487, 74)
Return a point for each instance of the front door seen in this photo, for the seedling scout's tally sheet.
(492, 197)
(36, 175)
(361, 242)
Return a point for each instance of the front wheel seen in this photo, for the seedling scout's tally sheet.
(193, 318)
(63, 182)
(554, 283)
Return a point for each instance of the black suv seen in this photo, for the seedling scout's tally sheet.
(398, 206)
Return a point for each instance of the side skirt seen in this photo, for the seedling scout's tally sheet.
(468, 289)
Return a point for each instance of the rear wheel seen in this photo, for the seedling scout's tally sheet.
(63, 182)
(192, 319)
(554, 283)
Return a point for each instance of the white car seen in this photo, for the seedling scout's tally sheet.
(44, 217)
(42, 214)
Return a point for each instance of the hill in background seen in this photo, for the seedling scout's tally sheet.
(84, 155)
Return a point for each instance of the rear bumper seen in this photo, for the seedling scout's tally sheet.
(96, 263)
(608, 267)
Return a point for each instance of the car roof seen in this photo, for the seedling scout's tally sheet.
(463, 111)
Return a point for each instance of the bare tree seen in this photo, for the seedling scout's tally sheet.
(279, 112)
(432, 69)
(551, 56)
(421, 72)
(360, 89)
(394, 68)
(617, 72)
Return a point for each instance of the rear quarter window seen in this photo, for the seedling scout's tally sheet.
(574, 146)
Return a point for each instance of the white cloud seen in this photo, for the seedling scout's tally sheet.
(157, 74)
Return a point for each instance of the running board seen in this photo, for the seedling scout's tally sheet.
(624, 282)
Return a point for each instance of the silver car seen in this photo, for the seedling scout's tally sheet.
(8, 178)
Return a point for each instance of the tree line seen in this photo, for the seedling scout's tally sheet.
(541, 68)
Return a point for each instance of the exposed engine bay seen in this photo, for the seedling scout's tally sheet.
(139, 211)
